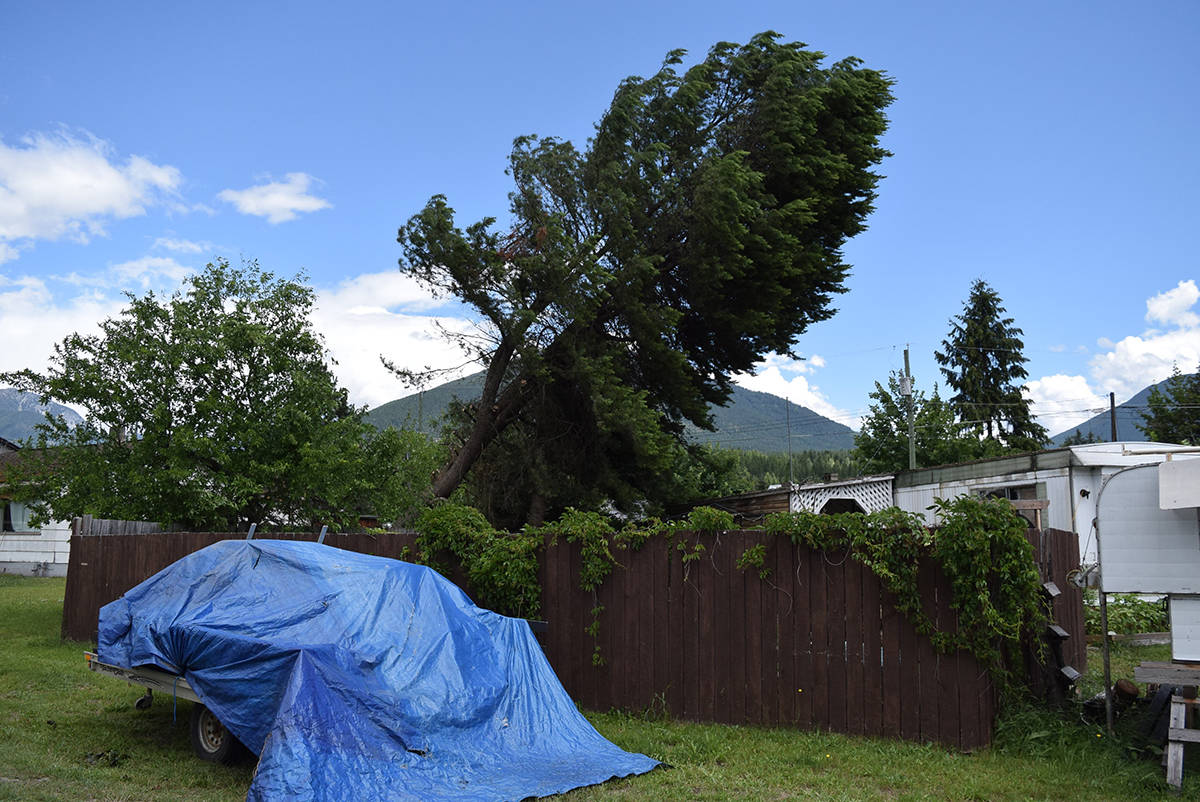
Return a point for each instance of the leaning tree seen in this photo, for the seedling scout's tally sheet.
(700, 229)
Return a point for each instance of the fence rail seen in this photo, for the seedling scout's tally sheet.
(817, 643)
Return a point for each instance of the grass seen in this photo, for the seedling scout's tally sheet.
(66, 734)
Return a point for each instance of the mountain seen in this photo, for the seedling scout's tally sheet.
(1129, 417)
(21, 411)
(752, 421)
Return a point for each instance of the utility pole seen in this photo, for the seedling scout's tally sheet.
(787, 406)
(1112, 414)
(906, 389)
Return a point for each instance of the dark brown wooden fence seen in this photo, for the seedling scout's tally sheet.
(816, 644)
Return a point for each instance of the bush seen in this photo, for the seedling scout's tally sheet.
(1128, 614)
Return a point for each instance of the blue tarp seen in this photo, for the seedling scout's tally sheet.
(360, 678)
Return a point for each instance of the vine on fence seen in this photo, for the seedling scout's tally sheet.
(980, 545)
(502, 567)
(984, 554)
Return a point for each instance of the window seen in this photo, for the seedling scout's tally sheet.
(16, 517)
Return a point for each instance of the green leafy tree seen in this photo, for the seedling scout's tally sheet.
(212, 408)
(982, 362)
(700, 229)
(882, 444)
(1173, 412)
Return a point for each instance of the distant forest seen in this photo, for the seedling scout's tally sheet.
(807, 466)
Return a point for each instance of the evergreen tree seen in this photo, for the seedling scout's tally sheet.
(982, 361)
(700, 229)
(1174, 411)
(1077, 438)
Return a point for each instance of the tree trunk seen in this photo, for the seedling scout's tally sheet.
(496, 410)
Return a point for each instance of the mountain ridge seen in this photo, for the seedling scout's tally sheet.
(752, 421)
(20, 412)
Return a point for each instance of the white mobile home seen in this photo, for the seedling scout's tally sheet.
(1068, 480)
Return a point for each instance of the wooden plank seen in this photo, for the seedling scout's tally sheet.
(675, 631)
(852, 573)
(721, 626)
(579, 667)
(739, 624)
(802, 648)
(927, 658)
(705, 572)
(658, 556)
(818, 616)
(1167, 673)
(603, 696)
(1178, 721)
(835, 634)
(548, 576)
(947, 671)
(893, 685)
(780, 581)
(872, 642)
(754, 649)
(643, 605)
(769, 640)
(910, 667)
(691, 635)
(1182, 735)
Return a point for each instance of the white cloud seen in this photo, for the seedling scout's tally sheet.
(1173, 307)
(33, 321)
(1061, 402)
(150, 271)
(57, 186)
(183, 245)
(276, 201)
(769, 378)
(378, 314)
(1127, 365)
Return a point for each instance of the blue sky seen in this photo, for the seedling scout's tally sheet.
(1048, 148)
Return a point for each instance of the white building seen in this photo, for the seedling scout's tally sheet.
(24, 549)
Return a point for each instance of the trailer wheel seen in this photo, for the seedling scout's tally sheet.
(210, 740)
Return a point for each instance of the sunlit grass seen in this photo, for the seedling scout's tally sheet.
(67, 734)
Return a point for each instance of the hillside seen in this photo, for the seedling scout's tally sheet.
(20, 412)
(1129, 416)
(752, 421)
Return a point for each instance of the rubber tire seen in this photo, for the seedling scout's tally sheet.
(210, 740)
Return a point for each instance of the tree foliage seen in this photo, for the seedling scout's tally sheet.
(1173, 412)
(982, 362)
(700, 229)
(882, 444)
(212, 408)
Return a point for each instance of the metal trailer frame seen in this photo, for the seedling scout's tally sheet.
(210, 740)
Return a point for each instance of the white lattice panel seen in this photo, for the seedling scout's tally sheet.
(871, 496)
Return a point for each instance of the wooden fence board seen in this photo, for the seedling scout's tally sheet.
(853, 577)
(802, 659)
(817, 595)
(927, 657)
(779, 580)
(872, 626)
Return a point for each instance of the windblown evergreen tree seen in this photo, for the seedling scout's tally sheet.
(701, 229)
(983, 363)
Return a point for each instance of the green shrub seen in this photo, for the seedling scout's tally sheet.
(1127, 614)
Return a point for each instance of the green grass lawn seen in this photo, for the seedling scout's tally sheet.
(67, 734)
